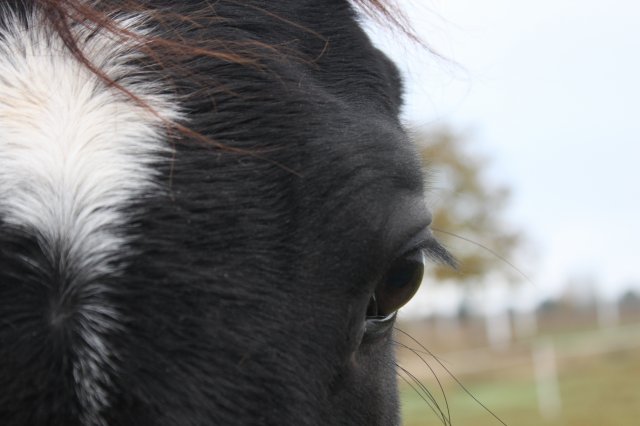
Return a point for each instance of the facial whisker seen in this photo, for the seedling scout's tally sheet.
(463, 387)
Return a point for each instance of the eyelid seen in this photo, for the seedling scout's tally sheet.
(377, 327)
(418, 241)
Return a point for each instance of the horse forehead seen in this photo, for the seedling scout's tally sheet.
(332, 121)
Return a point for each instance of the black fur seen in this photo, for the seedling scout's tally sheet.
(243, 294)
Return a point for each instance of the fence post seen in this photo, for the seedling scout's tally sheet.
(525, 323)
(498, 327)
(547, 386)
(608, 312)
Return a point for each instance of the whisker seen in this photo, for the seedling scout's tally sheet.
(493, 252)
(463, 387)
(428, 399)
(422, 387)
(424, 361)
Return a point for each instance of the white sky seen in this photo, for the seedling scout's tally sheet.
(551, 91)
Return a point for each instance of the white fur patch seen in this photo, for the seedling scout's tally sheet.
(73, 154)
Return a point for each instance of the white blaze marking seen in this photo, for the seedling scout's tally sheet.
(73, 154)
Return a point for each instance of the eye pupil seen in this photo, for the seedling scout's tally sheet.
(400, 284)
(402, 275)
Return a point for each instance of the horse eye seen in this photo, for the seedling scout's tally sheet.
(399, 284)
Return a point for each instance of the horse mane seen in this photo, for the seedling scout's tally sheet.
(62, 15)
(169, 49)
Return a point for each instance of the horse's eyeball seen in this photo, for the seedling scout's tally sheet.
(400, 283)
(398, 286)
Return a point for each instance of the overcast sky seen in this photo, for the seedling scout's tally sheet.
(551, 91)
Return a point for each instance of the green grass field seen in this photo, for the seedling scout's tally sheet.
(601, 388)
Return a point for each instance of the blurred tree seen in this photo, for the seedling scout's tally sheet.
(467, 210)
(630, 299)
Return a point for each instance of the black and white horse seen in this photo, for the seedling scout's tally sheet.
(209, 214)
